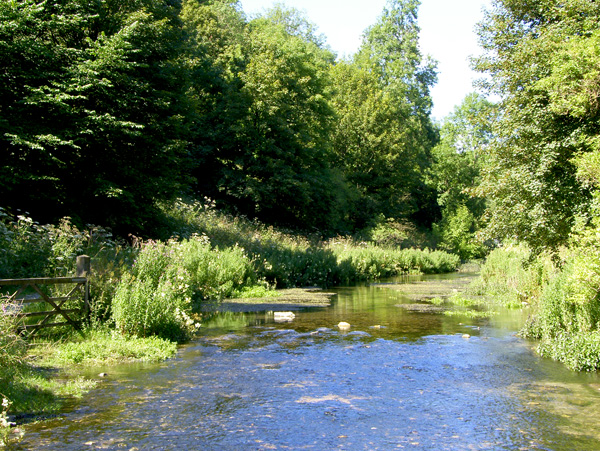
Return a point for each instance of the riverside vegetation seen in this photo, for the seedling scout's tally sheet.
(148, 296)
(132, 105)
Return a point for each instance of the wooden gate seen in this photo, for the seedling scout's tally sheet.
(19, 298)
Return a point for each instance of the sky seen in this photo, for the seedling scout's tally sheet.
(447, 34)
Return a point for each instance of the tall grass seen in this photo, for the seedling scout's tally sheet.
(513, 276)
(286, 259)
(565, 299)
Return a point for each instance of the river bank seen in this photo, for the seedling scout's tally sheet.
(146, 296)
(396, 378)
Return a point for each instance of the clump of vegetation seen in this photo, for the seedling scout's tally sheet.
(565, 297)
(168, 282)
(567, 316)
(104, 346)
(512, 275)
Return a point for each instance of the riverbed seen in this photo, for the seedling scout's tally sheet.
(399, 377)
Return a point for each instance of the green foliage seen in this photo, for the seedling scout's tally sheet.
(28, 249)
(512, 275)
(454, 173)
(457, 234)
(130, 105)
(12, 347)
(155, 298)
(361, 261)
(289, 260)
(256, 291)
(578, 351)
(90, 109)
(391, 233)
(472, 314)
(102, 346)
(383, 133)
(169, 281)
(570, 303)
(541, 57)
(214, 274)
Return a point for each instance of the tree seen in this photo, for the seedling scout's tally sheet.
(264, 149)
(367, 141)
(384, 133)
(91, 109)
(282, 158)
(457, 160)
(540, 57)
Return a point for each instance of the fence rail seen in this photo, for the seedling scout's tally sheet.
(80, 290)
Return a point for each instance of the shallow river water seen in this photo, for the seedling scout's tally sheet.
(397, 379)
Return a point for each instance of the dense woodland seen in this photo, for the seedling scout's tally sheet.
(110, 109)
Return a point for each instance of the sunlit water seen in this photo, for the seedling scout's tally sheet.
(414, 383)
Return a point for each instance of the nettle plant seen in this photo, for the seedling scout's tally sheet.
(169, 281)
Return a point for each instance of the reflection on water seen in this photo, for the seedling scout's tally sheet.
(396, 379)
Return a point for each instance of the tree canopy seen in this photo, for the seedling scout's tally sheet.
(542, 60)
(108, 110)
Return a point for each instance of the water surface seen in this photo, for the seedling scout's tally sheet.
(397, 379)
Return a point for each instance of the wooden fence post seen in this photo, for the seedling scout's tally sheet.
(83, 266)
(84, 270)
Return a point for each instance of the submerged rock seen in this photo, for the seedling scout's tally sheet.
(282, 317)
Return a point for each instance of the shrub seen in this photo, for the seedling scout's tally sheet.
(579, 351)
(456, 233)
(214, 274)
(155, 298)
(512, 275)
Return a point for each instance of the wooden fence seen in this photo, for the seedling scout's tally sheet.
(81, 291)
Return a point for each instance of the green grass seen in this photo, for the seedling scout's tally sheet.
(473, 314)
(104, 347)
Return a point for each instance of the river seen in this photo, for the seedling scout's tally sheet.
(398, 378)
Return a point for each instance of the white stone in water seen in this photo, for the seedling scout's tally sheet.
(466, 336)
(344, 325)
(284, 316)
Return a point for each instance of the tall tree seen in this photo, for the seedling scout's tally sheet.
(457, 160)
(90, 109)
(384, 134)
(267, 151)
(540, 56)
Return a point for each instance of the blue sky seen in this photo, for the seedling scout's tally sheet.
(447, 34)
